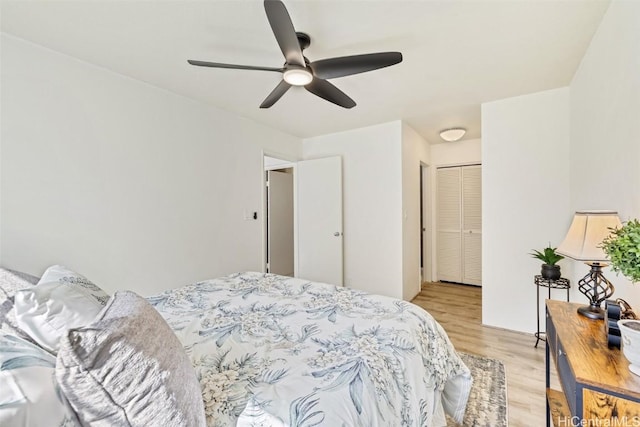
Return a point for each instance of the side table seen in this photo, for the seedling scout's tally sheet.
(541, 282)
(597, 387)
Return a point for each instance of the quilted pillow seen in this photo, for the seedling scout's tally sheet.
(61, 300)
(29, 393)
(128, 368)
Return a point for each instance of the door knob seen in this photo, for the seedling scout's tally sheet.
(337, 234)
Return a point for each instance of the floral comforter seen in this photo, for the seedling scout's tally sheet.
(276, 351)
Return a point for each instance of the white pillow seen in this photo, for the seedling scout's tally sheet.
(29, 392)
(61, 300)
(10, 283)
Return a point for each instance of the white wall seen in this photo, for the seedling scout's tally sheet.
(456, 153)
(415, 150)
(525, 173)
(605, 110)
(448, 154)
(131, 185)
(372, 204)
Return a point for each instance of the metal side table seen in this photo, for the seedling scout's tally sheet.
(541, 282)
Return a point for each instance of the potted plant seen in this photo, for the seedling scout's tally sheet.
(550, 270)
(622, 247)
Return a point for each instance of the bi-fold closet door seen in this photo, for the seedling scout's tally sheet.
(459, 224)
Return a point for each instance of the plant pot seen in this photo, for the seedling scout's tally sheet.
(550, 272)
(630, 334)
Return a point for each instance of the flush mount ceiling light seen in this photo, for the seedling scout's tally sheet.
(297, 76)
(453, 134)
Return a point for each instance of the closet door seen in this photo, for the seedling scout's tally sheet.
(448, 224)
(472, 225)
(459, 224)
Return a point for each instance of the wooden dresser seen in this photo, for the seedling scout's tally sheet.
(597, 387)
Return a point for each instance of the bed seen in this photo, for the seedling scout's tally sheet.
(269, 350)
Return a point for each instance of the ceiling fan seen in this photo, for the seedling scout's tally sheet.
(299, 71)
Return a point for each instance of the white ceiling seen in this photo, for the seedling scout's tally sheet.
(457, 54)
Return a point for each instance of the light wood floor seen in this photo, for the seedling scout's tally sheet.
(458, 309)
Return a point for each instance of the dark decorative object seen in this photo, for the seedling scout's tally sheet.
(584, 243)
(614, 311)
(550, 270)
(597, 288)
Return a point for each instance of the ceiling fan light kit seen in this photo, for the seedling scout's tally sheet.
(299, 71)
(297, 76)
(452, 134)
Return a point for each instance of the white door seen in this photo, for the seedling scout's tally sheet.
(472, 225)
(459, 224)
(280, 223)
(448, 225)
(319, 221)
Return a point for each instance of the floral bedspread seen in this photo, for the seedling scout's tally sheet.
(276, 351)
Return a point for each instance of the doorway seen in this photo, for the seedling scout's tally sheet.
(279, 217)
(309, 234)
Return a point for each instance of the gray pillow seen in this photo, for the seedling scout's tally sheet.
(128, 368)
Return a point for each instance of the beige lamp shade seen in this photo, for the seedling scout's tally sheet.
(587, 231)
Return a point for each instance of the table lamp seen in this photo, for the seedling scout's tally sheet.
(583, 243)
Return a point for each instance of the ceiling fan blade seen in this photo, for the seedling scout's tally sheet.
(276, 94)
(326, 90)
(284, 31)
(354, 64)
(233, 66)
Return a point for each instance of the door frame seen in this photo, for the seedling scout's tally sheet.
(288, 162)
(426, 236)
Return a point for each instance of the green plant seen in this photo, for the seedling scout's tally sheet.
(548, 256)
(623, 248)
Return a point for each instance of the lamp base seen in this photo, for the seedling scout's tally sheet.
(591, 312)
(597, 288)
